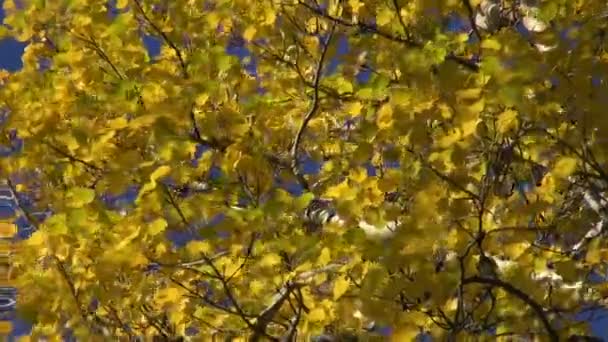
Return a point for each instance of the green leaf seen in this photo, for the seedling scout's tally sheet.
(157, 226)
(564, 167)
(491, 44)
(303, 200)
(79, 197)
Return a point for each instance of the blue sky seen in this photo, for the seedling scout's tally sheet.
(10, 51)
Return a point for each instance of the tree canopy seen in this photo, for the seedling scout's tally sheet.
(293, 169)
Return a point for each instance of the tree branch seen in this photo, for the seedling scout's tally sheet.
(364, 28)
(537, 308)
(165, 38)
(311, 111)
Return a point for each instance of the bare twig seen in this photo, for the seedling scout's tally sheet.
(293, 326)
(72, 158)
(266, 316)
(471, 15)
(537, 308)
(165, 38)
(311, 111)
(400, 17)
(365, 28)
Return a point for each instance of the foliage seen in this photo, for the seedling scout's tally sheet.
(484, 147)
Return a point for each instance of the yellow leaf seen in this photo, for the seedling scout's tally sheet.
(168, 295)
(36, 239)
(514, 250)
(69, 141)
(358, 174)
(201, 99)
(270, 260)
(196, 248)
(469, 127)
(127, 239)
(79, 197)
(405, 333)
(507, 120)
(120, 4)
(256, 287)
(325, 257)
(118, 123)
(593, 256)
(157, 227)
(384, 15)
(468, 94)
(474, 109)
(354, 108)
(491, 44)
(564, 167)
(249, 33)
(355, 5)
(342, 191)
(340, 287)
(385, 116)
(316, 315)
(158, 173)
(270, 15)
(153, 93)
(138, 259)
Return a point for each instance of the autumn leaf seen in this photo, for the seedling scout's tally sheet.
(564, 167)
(157, 226)
(341, 285)
(507, 121)
(196, 248)
(249, 33)
(266, 169)
(385, 116)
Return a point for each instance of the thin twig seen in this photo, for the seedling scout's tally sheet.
(537, 308)
(364, 28)
(311, 111)
(165, 38)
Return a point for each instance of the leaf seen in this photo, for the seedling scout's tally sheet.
(154, 176)
(316, 315)
(120, 4)
(507, 121)
(167, 295)
(405, 333)
(126, 240)
(491, 44)
(341, 285)
(249, 33)
(303, 200)
(157, 226)
(270, 260)
(119, 25)
(57, 224)
(354, 108)
(324, 257)
(468, 94)
(37, 239)
(197, 248)
(79, 197)
(564, 167)
(342, 191)
(385, 116)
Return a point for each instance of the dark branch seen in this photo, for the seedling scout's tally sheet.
(537, 308)
(311, 111)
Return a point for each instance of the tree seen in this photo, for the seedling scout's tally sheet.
(436, 167)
